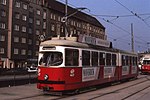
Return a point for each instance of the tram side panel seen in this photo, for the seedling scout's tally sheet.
(128, 66)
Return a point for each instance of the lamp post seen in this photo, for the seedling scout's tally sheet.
(148, 43)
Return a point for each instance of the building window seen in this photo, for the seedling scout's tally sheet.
(24, 17)
(3, 13)
(51, 16)
(37, 42)
(59, 18)
(17, 4)
(30, 31)
(17, 15)
(36, 53)
(44, 15)
(23, 52)
(24, 29)
(38, 12)
(37, 22)
(30, 9)
(25, 6)
(3, 2)
(37, 32)
(16, 39)
(29, 52)
(2, 25)
(44, 25)
(30, 42)
(16, 51)
(30, 20)
(52, 27)
(23, 40)
(16, 27)
(1, 50)
(2, 38)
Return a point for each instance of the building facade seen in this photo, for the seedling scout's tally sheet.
(22, 22)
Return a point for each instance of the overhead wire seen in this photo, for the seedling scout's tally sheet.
(116, 17)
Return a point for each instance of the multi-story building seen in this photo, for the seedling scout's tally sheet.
(23, 21)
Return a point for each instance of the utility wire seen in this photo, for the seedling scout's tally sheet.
(108, 21)
(135, 14)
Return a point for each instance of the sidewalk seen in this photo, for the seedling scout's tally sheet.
(19, 92)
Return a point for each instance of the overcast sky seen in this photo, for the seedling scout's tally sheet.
(117, 16)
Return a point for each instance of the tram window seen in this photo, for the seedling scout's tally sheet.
(127, 60)
(85, 58)
(113, 59)
(134, 61)
(51, 59)
(102, 58)
(131, 61)
(94, 58)
(71, 57)
(146, 61)
(123, 60)
(108, 59)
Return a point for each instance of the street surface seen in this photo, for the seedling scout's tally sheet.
(138, 89)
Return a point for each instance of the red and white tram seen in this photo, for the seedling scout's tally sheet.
(145, 68)
(67, 65)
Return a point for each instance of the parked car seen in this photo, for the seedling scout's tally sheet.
(32, 69)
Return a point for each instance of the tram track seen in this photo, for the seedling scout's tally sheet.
(104, 94)
(115, 91)
(66, 96)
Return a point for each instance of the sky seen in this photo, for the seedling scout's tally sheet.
(116, 16)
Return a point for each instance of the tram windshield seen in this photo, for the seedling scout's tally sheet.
(146, 61)
(51, 59)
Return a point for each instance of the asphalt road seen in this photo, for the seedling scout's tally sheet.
(138, 89)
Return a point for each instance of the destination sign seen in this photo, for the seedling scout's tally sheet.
(94, 41)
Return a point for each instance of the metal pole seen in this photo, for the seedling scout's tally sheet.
(132, 38)
(66, 13)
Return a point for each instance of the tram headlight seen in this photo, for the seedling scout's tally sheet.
(46, 77)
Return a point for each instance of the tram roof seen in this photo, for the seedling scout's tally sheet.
(69, 43)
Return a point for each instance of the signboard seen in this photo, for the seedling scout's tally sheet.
(90, 73)
(134, 69)
(125, 70)
(93, 41)
(109, 72)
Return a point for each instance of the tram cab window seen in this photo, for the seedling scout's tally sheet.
(85, 58)
(114, 59)
(71, 57)
(94, 58)
(102, 58)
(146, 61)
(51, 59)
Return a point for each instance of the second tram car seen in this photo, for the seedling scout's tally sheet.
(68, 66)
(145, 68)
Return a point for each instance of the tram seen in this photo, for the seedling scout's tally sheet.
(145, 68)
(66, 65)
